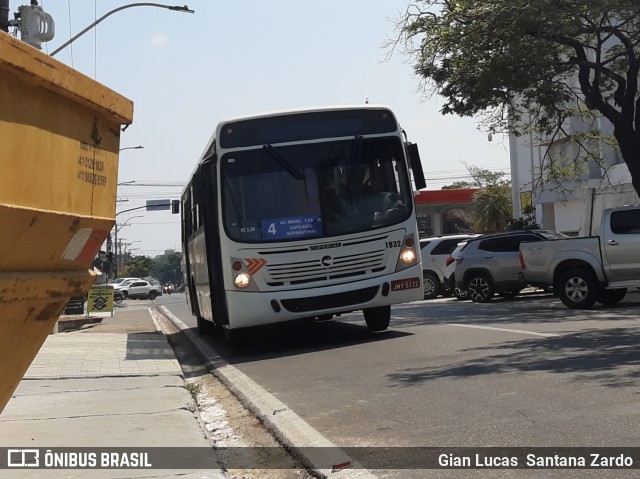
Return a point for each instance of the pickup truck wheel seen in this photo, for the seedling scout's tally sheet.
(480, 288)
(611, 296)
(430, 285)
(152, 295)
(377, 319)
(578, 288)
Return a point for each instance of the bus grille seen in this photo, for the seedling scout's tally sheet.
(340, 300)
(310, 271)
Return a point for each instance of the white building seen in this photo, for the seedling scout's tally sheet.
(572, 206)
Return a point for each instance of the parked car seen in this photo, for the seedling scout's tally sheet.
(596, 268)
(144, 289)
(490, 263)
(450, 272)
(139, 289)
(123, 286)
(435, 251)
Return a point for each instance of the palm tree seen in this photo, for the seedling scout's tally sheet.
(492, 208)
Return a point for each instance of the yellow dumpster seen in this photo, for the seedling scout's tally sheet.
(59, 142)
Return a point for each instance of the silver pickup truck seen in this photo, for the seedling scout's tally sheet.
(595, 268)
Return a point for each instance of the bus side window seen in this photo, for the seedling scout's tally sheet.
(186, 214)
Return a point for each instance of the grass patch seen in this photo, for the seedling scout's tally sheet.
(194, 389)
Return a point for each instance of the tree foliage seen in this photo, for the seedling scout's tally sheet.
(526, 222)
(532, 65)
(167, 268)
(459, 185)
(137, 267)
(478, 178)
(491, 208)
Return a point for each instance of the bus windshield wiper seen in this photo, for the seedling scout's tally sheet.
(273, 153)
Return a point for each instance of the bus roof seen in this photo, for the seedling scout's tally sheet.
(283, 112)
(366, 106)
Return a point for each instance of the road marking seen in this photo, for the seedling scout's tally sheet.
(518, 331)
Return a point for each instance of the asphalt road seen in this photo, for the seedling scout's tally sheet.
(520, 373)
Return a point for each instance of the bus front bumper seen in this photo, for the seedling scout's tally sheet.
(255, 309)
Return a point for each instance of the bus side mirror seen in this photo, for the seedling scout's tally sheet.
(175, 207)
(416, 166)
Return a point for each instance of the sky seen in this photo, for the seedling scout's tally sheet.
(186, 72)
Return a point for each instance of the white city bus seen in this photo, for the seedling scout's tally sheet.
(302, 214)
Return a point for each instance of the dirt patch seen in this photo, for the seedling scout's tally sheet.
(229, 424)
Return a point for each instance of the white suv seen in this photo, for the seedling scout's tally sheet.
(490, 263)
(435, 251)
(139, 289)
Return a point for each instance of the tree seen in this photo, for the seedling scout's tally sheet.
(459, 185)
(526, 222)
(479, 177)
(492, 208)
(167, 268)
(138, 267)
(523, 64)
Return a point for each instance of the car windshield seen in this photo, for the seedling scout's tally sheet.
(314, 190)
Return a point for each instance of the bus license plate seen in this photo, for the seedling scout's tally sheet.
(402, 284)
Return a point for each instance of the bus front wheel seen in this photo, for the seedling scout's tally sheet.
(204, 327)
(377, 319)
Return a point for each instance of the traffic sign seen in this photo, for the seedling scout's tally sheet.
(100, 299)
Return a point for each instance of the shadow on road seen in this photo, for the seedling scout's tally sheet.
(604, 350)
(539, 309)
(294, 338)
(609, 356)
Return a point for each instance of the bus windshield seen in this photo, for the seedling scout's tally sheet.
(314, 190)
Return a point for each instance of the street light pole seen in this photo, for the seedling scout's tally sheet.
(175, 8)
(128, 248)
(116, 229)
(168, 204)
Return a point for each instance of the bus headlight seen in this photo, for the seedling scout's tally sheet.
(242, 280)
(408, 256)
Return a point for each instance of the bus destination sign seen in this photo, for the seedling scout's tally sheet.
(292, 227)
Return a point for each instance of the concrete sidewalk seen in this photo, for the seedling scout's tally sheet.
(115, 384)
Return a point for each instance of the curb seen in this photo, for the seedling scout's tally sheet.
(317, 453)
(70, 323)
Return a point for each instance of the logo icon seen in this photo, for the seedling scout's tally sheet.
(326, 261)
(23, 457)
(100, 303)
(95, 134)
